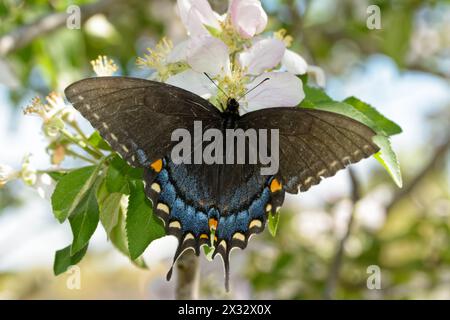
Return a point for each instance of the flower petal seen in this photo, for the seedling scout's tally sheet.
(194, 24)
(263, 54)
(318, 75)
(248, 17)
(194, 82)
(294, 63)
(208, 54)
(183, 7)
(178, 53)
(283, 89)
(195, 14)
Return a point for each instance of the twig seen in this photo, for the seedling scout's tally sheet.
(94, 153)
(420, 68)
(333, 275)
(187, 276)
(77, 155)
(22, 36)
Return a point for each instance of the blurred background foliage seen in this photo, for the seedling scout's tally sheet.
(325, 243)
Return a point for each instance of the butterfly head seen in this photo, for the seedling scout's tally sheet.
(232, 105)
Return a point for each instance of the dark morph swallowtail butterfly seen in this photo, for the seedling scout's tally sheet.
(137, 117)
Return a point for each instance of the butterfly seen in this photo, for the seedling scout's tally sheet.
(218, 204)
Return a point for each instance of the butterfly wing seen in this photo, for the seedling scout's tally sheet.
(137, 116)
(314, 144)
(191, 199)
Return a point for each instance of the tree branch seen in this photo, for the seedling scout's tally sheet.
(22, 36)
(187, 276)
(333, 276)
(420, 68)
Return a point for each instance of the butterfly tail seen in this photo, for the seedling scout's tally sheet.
(226, 263)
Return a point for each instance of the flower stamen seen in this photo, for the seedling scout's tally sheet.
(104, 66)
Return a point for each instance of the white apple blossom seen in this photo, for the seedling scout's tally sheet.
(226, 49)
(7, 174)
(282, 88)
(41, 181)
(26, 173)
(51, 111)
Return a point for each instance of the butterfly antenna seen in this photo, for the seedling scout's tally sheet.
(216, 84)
(250, 90)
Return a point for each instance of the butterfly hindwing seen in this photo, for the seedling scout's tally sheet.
(191, 199)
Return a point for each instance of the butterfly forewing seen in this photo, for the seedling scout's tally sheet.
(313, 143)
(137, 116)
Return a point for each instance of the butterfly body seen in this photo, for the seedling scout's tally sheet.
(219, 204)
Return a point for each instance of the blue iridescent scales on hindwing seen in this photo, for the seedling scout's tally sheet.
(189, 210)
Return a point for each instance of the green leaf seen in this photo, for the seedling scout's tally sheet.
(109, 207)
(382, 123)
(141, 224)
(63, 259)
(316, 98)
(274, 219)
(367, 115)
(346, 110)
(56, 175)
(304, 77)
(208, 250)
(98, 142)
(313, 97)
(118, 237)
(70, 190)
(120, 174)
(84, 220)
(388, 159)
(386, 155)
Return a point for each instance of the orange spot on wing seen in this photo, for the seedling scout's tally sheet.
(157, 165)
(275, 185)
(212, 223)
